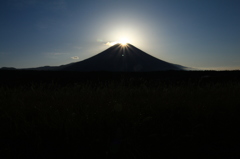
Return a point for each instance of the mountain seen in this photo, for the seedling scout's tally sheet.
(119, 58)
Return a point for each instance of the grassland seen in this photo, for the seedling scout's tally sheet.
(119, 116)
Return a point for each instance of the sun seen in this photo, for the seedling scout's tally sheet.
(123, 41)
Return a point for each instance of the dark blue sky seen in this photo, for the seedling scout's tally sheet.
(194, 33)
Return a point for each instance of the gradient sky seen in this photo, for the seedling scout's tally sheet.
(201, 34)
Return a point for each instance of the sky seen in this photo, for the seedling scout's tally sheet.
(202, 34)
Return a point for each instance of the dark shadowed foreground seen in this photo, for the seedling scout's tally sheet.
(104, 115)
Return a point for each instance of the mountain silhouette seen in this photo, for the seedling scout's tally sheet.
(119, 58)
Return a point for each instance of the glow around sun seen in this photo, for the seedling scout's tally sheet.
(123, 42)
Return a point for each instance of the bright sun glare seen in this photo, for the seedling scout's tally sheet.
(123, 42)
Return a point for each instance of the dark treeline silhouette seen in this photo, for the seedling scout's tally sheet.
(25, 77)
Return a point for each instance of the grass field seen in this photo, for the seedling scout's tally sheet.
(123, 118)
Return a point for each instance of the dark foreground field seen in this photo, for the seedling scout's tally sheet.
(119, 115)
